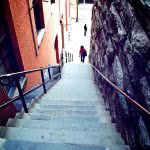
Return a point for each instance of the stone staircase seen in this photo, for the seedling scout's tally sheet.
(71, 116)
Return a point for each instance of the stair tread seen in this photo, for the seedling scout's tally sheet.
(44, 124)
(69, 112)
(73, 94)
(51, 101)
(66, 118)
(27, 145)
(63, 136)
(52, 106)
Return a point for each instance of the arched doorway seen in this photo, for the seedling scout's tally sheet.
(56, 49)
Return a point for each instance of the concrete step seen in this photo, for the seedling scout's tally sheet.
(72, 96)
(62, 92)
(50, 101)
(72, 84)
(65, 107)
(21, 115)
(118, 147)
(64, 136)
(27, 145)
(69, 112)
(44, 124)
(65, 112)
(67, 119)
(59, 119)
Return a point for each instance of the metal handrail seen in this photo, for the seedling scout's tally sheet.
(122, 92)
(27, 72)
(21, 94)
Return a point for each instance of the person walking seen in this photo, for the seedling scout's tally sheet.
(83, 53)
(85, 29)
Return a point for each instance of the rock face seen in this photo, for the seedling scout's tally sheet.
(120, 49)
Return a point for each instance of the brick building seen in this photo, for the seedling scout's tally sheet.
(31, 34)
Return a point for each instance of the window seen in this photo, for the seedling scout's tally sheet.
(7, 60)
(52, 1)
(38, 15)
(39, 20)
(5, 51)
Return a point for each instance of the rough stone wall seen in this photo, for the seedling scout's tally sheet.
(120, 49)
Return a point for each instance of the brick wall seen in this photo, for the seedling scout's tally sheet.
(24, 28)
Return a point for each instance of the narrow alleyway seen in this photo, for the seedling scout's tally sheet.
(76, 31)
(72, 115)
(101, 104)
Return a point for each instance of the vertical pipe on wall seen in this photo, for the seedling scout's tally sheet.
(62, 33)
(77, 11)
(66, 5)
(69, 8)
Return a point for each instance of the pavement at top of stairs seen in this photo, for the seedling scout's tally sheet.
(76, 32)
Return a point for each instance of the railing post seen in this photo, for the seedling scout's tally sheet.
(69, 57)
(72, 57)
(66, 56)
(62, 58)
(42, 76)
(60, 71)
(49, 73)
(21, 94)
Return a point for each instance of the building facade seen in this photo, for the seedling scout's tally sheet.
(31, 35)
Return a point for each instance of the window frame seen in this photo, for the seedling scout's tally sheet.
(39, 20)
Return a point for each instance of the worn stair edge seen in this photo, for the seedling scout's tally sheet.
(63, 106)
(60, 119)
(70, 99)
(65, 112)
(64, 118)
(71, 107)
(19, 115)
(67, 102)
(27, 145)
(32, 102)
(69, 112)
(22, 115)
(42, 124)
(63, 136)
